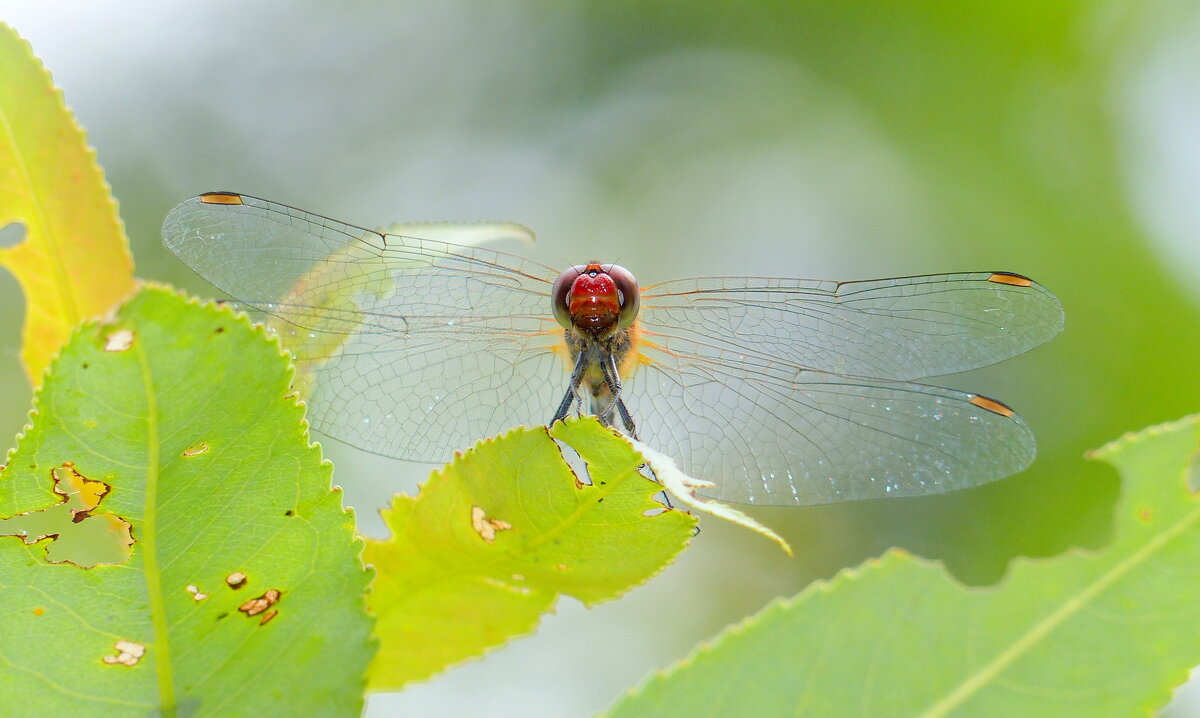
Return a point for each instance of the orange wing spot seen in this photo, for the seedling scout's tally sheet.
(220, 198)
(1015, 280)
(992, 405)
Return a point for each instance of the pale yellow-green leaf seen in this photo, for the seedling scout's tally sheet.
(496, 535)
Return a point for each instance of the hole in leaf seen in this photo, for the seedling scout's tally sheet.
(11, 234)
(576, 464)
(77, 535)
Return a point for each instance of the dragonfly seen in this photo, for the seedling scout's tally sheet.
(782, 391)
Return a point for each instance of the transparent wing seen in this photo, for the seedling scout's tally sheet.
(406, 347)
(772, 433)
(902, 328)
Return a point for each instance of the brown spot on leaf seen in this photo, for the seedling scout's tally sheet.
(289, 512)
(118, 341)
(268, 616)
(128, 654)
(78, 536)
(255, 606)
(485, 527)
(39, 611)
(236, 580)
(196, 594)
(1145, 515)
(561, 567)
(196, 449)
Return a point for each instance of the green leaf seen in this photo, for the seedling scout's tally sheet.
(175, 420)
(74, 262)
(481, 553)
(1082, 635)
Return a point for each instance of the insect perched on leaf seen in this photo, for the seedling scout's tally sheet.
(783, 391)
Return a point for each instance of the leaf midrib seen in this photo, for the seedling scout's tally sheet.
(154, 591)
(980, 678)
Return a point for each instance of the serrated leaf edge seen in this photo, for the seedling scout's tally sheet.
(890, 558)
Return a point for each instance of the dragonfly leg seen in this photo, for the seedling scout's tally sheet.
(626, 419)
(613, 379)
(572, 390)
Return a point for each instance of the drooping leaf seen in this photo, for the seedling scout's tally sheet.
(686, 490)
(243, 593)
(74, 261)
(1107, 634)
(496, 535)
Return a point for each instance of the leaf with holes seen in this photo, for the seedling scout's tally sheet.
(1079, 635)
(169, 542)
(496, 535)
(74, 261)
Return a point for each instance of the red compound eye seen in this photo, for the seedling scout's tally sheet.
(559, 292)
(630, 294)
(594, 298)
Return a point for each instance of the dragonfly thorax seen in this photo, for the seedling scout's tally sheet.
(615, 350)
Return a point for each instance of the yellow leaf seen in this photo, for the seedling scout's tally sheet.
(74, 262)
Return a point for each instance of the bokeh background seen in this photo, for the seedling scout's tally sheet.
(836, 140)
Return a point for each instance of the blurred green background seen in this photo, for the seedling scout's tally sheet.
(836, 140)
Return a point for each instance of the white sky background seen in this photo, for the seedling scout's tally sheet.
(456, 110)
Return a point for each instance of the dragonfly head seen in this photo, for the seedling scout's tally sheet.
(596, 299)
